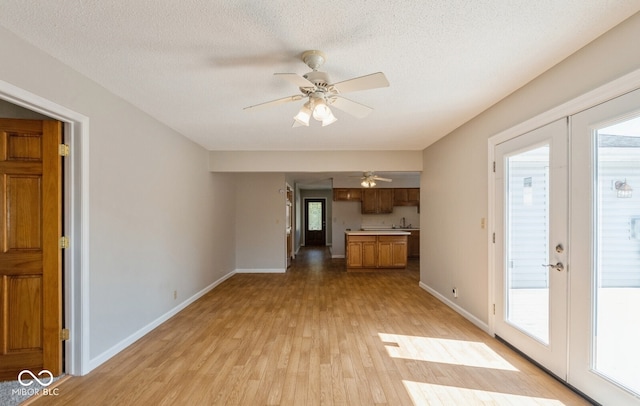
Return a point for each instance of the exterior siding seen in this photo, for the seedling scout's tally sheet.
(618, 227)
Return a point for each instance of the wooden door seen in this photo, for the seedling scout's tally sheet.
(354, 254)
(369, 253)
(30, 257)
(385, 254)
(315, 222)
(369, 201)
(385, 200)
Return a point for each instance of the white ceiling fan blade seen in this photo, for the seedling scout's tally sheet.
(349, 106)
(372, 81)
(382, 179)
(296, 80)
(288, 99)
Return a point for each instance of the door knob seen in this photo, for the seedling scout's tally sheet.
(558, 267)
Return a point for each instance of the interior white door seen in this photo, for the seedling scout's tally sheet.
(604, 356)
(530, 244)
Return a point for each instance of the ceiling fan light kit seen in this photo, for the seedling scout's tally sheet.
(317, 87)
(369, 179)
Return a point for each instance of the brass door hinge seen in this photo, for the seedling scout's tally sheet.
(63, 150)
(64, 334)
(64, 242)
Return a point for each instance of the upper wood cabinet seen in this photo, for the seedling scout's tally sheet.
(377, 201)
(406, 197)
(346, 195)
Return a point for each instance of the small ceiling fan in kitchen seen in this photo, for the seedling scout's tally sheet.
(320, 94)
(369, 179)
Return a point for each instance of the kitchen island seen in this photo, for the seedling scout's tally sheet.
(376, 249)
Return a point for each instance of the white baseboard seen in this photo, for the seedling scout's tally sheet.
(337, 256)
(105, 356)
(260, 270)
(473, 319)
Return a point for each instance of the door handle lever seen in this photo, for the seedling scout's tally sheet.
(558, 267)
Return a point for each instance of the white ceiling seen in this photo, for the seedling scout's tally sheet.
(194, 64)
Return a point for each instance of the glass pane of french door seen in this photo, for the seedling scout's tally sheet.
(617, 272)
(527, 239)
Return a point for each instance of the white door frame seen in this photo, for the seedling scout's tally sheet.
(76, 221)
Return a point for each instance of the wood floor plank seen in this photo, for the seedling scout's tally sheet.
(316, 335)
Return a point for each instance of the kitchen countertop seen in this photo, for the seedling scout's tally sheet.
(378, 232)
(373, 228)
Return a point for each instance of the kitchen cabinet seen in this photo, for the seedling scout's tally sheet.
(406, 197)
(377, 201)
(361, 251)
(392, 251)
(346, 195)
(413, 244)
(373, 250)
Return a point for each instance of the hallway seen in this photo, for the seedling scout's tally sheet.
(316, 335)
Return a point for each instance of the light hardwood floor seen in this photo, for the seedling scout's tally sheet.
(316, 335)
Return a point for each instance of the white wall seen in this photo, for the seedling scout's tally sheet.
(260, 222)
(454, 181)
(159, 220)
(314, 161)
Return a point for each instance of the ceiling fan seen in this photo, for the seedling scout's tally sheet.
(320, 94)
(369, 179)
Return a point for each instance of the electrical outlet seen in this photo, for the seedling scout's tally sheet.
(175, 294)
(455, 292)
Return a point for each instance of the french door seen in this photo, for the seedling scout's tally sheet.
(604, 357)
(531, 244)
(567, 248)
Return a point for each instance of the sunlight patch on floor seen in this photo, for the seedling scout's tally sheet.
(456, 352)
(430, 394)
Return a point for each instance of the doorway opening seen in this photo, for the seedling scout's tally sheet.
(315, 222)
(75, 222)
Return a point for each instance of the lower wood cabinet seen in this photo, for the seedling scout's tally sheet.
(376, 251)
(392, 251)
(361, 251)
(413, 244)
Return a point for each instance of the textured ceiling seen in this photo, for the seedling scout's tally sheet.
(194, 64)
